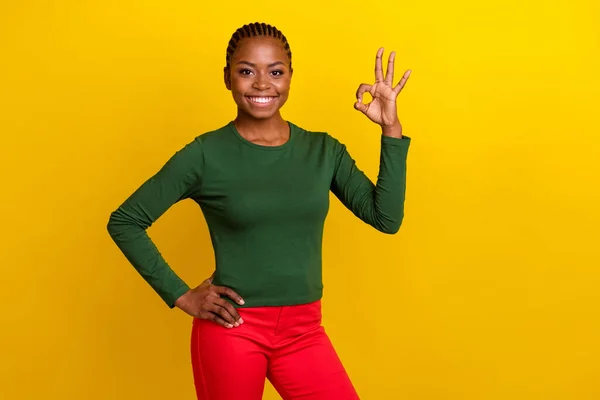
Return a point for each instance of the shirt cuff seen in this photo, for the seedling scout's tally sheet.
(172, 297)
(403, 141)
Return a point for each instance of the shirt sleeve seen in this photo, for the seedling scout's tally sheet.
(380, 205)
(127, 225)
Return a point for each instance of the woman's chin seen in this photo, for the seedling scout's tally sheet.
(260, 114)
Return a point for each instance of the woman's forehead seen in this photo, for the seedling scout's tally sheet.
(260, 47)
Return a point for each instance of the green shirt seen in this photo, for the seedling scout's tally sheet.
(265, 207)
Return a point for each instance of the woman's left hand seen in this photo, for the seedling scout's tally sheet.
(382, 109)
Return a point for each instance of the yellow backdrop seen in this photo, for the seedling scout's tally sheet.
(489, 291)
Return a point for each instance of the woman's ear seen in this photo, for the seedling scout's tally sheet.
(227, 78)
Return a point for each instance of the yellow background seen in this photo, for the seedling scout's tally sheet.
(489, 291)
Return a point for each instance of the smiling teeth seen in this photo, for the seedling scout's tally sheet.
(261, 99)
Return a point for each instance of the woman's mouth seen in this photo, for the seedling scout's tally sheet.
(261, 100)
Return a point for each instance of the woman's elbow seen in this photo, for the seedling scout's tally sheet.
(112, 225)
(120, 222)
(390, 227)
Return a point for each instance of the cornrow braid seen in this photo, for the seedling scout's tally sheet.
(253, 30)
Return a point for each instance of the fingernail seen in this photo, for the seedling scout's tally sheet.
(242, 301)
(241, 321)
(236, 324)
(229, 326)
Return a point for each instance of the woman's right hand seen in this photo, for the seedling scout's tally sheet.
(205, 302)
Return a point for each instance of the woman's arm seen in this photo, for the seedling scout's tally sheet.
(127, 225)
(380, 205)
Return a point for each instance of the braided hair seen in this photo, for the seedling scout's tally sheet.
(253, 30)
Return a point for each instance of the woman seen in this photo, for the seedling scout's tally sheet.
(263, 185)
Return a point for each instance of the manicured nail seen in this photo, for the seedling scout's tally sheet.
(236, 324)
(242, 301)
(229, 326)
(241, 321)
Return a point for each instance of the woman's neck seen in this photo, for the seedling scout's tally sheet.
(273, 131)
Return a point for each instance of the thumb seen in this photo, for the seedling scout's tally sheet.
(360, 106)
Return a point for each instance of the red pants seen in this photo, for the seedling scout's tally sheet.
(285, 344)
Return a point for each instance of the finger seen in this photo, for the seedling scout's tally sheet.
(228, 307)
(221, 312)
(402, 82)
(362, 89)
(378, 67)
(389, 74)
(229, 293)
(215, 318)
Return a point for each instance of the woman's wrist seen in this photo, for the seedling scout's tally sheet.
(181, 300)
(394, 130)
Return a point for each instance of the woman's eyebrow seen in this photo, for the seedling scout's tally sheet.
(254, 65)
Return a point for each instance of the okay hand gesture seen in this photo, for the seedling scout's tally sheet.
(382, 109)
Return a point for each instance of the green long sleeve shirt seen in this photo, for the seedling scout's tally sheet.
(265, 207)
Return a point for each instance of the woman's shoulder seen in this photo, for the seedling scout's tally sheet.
(319, 135)
(195, 147)
(212, 134)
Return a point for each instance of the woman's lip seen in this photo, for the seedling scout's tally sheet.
(261, 104)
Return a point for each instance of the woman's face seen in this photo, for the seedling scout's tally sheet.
(259, 76)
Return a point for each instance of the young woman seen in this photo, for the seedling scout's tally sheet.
(263, 185)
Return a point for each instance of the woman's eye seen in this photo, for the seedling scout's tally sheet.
(245, 72)
(277, 72)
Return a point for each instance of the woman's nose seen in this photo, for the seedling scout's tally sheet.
(261, 82)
